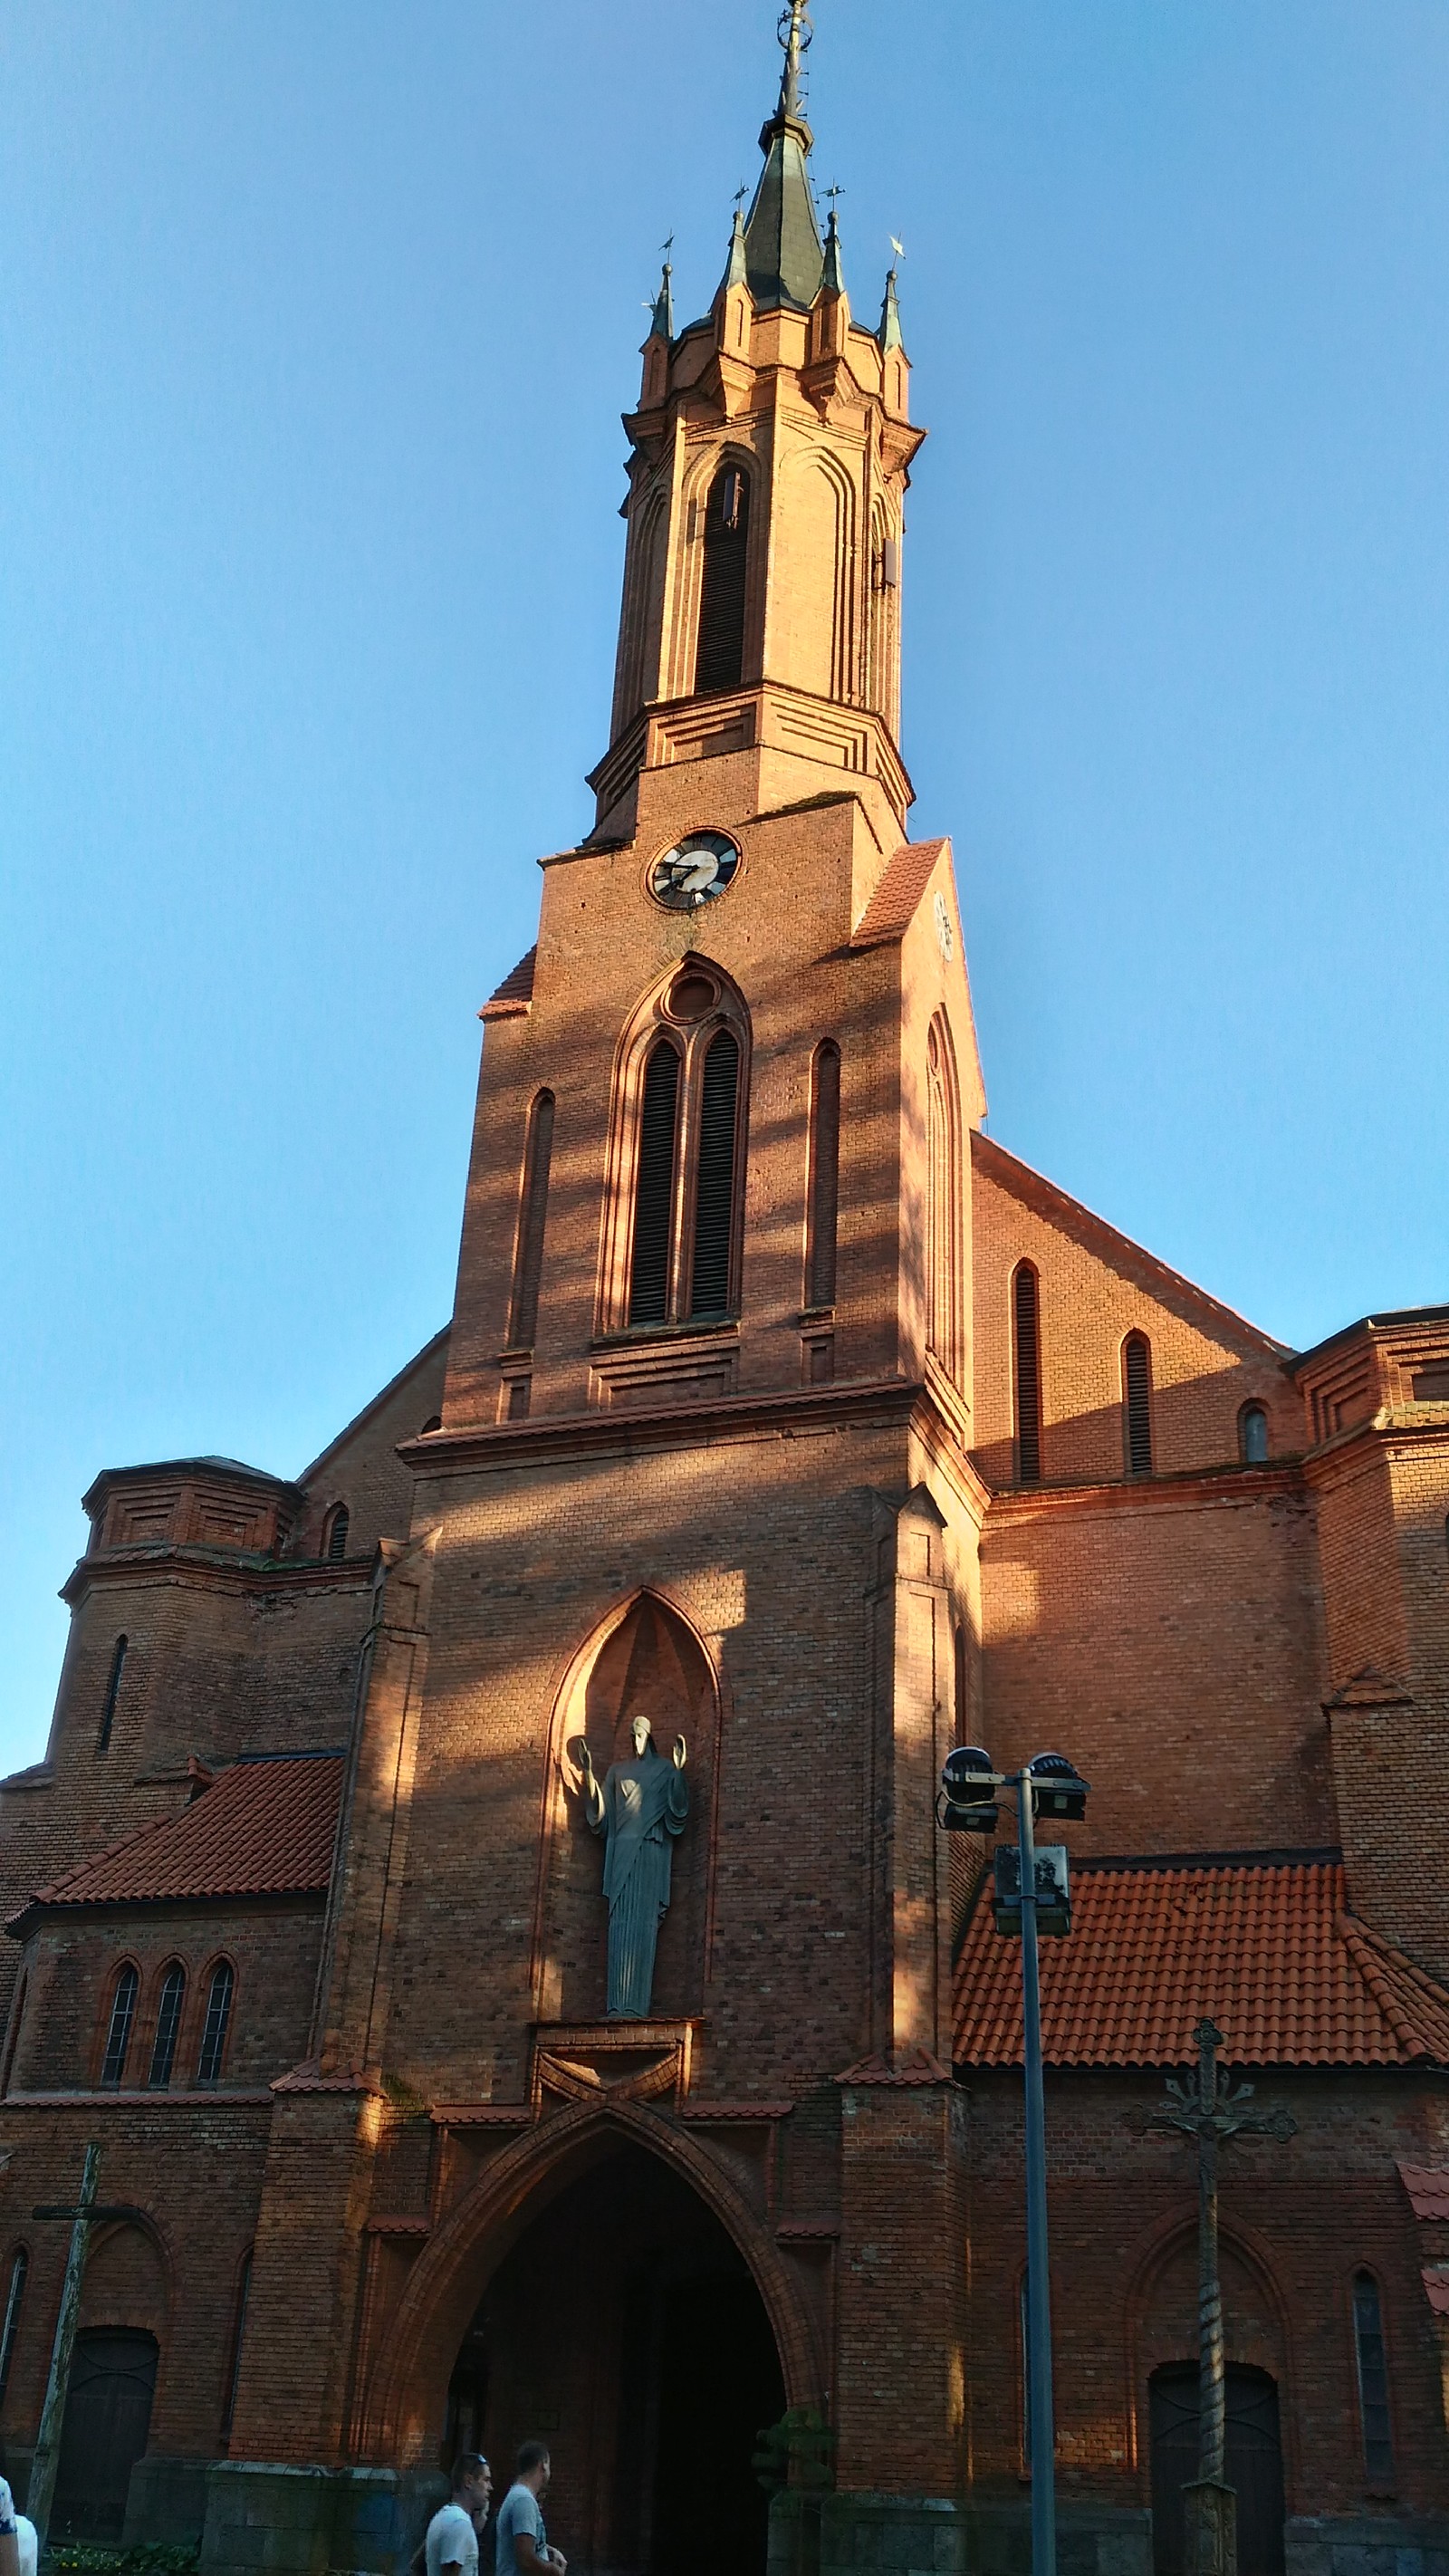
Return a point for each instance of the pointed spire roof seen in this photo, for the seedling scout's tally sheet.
(889, 333)
(661, 324)
(784, 259)
(736, 267)
(833, 280)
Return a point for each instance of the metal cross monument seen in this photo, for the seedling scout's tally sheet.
(1209, 2108)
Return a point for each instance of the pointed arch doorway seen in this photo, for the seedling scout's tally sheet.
(625, 2329)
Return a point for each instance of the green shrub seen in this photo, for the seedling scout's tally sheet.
(147, 2558)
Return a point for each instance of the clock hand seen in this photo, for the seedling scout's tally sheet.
(700, 872)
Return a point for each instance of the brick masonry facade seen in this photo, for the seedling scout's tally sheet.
(795, 1529)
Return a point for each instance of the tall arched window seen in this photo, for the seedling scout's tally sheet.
(680, 1130)
(652, 1265)
(532, 1212)
(1253, 1435)
(1373, 2382)
(218, 2015)
(168, 2023)
(719, 661)
(943, 1247)
(1026, 1371)
(1137, 1404)
(15, 2292)
(113, 1693)
(334, 1539)
(714, 1182)
(824, 1175)
(961, 1681)
(238, 2331)
(118, 2031)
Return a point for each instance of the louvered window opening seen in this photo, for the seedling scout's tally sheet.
(118, 2037)
(1373, 2382)
(1137, 1397)
(337, 1529)
(168, 2023)
(714, 1197)
(113, 1693)
(528, 1266)
(218, 2014)
(824, 1175)
(720, 657)
(13, 2297)
(654, 1189)
(1028, 1376)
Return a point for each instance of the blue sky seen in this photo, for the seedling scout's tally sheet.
(317, 320)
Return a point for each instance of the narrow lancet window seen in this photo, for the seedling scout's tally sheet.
(113, 1693)
(1137, 1403)
(824, 1175)
(13, 2296)
(714, 1193)
(1026, 1357)
(118, 2034)
(654, 1189)
(1253, 1435)
(1373, 2383)
(218, 2014)
(168, 2023)
(720, 659)
(338, 1523)
(528, 1256)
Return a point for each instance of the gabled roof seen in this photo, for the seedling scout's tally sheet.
(892, 907)
(262, 1829)
(1266, 1948)
(515, 993)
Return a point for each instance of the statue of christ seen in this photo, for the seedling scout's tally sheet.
(640, 1807)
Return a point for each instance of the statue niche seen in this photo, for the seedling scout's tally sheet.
(627, 1939)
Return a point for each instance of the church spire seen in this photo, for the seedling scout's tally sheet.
(889, 334)
(833, 280)
(783, 254)
(661, 325)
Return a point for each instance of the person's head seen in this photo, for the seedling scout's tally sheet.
(641, 1732)
(533, 2462)
(472, 2482)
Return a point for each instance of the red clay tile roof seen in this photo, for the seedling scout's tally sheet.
(1267, 1948)
(892, 907)
(262, 1829)
(1435, 2277)
(1428, 2189)
(514, 993)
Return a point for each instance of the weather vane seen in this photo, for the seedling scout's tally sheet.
(795, 32)
(741, 192)
(897, 246)
(833, 191)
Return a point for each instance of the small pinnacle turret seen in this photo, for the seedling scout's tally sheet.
(661, 325)
(889, 333)
(833, 281)
(736, 267)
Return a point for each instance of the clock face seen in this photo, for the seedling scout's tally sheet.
(697, 870)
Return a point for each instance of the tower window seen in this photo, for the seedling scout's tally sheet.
(8, 2332)
(1373, 2382)
(1137, 1403)
(334, 1543)
(17, 2016)
(654, 1188)
(1026, 1357)
(714, 1189)
(824, 1175)
(943, 1252)
(533, 1210)
(720, 656)
(168, 2023)
(1253, 1435)
(113, 1693)
(118, 2035)
(961, 1682)
(218, 2015)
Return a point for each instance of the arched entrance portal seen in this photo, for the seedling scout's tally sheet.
(625, 2330)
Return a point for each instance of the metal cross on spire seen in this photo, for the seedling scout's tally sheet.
(795, 34)
(1209, 2108)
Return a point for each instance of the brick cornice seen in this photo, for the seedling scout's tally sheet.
(1394, 1427)
(213, 1569)
(216, 2098)
(714, 1420)
(1228, 1484)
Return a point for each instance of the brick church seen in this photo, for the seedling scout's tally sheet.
(484, 1897)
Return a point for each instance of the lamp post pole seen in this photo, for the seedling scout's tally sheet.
(1038, 2282)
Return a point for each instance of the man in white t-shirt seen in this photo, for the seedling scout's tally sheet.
(10, 2533)
(523, 2548)
(451, 2547)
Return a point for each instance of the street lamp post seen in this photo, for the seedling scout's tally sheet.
(1029, 1899)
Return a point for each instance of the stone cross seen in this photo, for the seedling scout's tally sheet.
(1209, 2108)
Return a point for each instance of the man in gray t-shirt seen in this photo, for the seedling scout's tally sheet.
(523, 2548)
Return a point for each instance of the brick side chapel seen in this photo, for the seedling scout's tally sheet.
(786, 1431)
